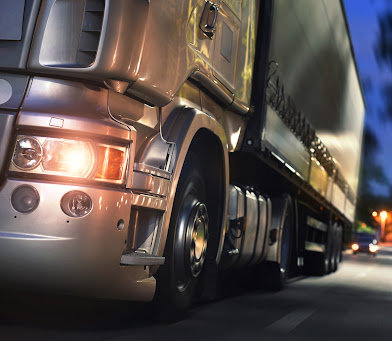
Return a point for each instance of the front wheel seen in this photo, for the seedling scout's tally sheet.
(186, 245)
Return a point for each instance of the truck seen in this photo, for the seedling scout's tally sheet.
(148, 147)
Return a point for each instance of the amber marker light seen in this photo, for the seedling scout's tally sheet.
(355, 247)
(111, 163)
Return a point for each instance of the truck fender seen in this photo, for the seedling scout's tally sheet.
(179, 129)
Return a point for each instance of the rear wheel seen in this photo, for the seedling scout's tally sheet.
(186, 245)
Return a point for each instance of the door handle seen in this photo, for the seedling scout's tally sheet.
(208, 19)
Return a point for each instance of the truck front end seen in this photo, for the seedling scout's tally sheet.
(66, 164)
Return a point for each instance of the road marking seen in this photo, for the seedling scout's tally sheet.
(287, 323)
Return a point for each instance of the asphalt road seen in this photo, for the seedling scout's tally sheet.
(353, 304)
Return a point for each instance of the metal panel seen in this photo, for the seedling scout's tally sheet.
(349, 211)
(285, 144)
(11, 19)
(318, 177)
(338, 198)
(249, 239)
(235, 211)
(6, 122)
(226, 47)
(14, 53)
(261, 230)
(313, 50)
(12, 90)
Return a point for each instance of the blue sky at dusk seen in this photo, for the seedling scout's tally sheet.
(362, 16)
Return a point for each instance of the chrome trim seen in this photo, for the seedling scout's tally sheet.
(146, 201)
(141, 259)
(155, 185)
(28, 236)
(141, 167)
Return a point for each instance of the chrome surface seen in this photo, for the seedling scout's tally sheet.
(146, 201)
(135, 258)
(6, 123)
(144, 182)
(77, 255)
(261, 239)
(197, 237)
(338, 198)
(318, 178)
(283, 142)
(190, 242)
(140, 167)
(301, 44)
(250, 233)
(117, 59)
(181, 128)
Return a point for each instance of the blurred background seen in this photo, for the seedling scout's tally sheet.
(370, 22)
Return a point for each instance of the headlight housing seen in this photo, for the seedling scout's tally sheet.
(71, 158)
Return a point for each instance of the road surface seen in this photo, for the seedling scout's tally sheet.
(353, 304)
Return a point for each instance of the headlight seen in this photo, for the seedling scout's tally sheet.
(28, 153)
(373, 248)
(83, 159)
(355, 247)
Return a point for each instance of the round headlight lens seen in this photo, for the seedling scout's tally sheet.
(76, 204)
(25, 199)
(27, 154)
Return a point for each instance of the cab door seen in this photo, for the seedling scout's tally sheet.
(226, 41)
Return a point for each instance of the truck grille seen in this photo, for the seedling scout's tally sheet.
(91, 31)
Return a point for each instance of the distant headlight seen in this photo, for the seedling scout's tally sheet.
(373, 248)
(355, 247)
(85, 159)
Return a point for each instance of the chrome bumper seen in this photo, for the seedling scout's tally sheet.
(48, 251)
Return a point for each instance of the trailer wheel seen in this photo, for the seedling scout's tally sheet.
(274, 274)
(186, 245)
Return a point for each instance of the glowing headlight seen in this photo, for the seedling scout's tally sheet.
(71, 158)
(355, 247)
(68, 157)
(373, 248)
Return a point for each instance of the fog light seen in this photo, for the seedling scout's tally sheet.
(25, 199)
(76, 204)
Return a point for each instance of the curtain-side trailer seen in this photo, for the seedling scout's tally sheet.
(148, 146)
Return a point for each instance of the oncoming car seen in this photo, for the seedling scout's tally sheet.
(365, 243)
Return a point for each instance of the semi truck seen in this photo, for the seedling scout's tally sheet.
(147, 147)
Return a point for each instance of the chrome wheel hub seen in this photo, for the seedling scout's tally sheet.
(198, 228)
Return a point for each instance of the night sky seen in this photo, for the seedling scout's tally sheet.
(363, 21)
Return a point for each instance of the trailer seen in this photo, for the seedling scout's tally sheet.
(149, 146)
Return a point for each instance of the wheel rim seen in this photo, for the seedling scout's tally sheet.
(198, 235)
(191, 242)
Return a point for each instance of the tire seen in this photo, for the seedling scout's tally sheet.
(186, 245)
(274, 274)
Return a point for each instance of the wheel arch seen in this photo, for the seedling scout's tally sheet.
(194, 131)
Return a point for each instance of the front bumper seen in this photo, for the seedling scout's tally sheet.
(46, 250)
